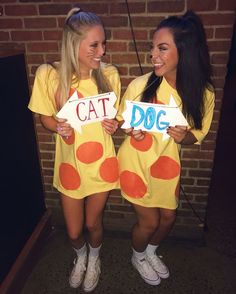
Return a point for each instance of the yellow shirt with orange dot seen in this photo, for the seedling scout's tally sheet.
(150, 168)
(85, 163)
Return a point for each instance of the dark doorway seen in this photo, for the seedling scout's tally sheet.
(221, 210)
(22, 195)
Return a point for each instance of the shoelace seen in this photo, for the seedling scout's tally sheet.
(79, 266)
(145, 268)
(157, 260)
(91, 271)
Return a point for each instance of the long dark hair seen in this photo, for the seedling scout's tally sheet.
(193, 70)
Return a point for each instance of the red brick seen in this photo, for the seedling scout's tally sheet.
(141, 46)
(4, 36)
(205, 5)
(205, 164)
(123, 70)
(200, 173)
(102, 8)
(47, 156)
(52, 35)
(136, 71)
(219, 46)
(54, 9)
(26, 35)
(224, 33)
(187, 181)
(34, 59)
(219, 71)
(218, 18)
(218, 82)
(115, 21)
(107, 58)
(46, 147)
(146, 21)
(10, 23)
(166, 6)
(129, 58)
(116, 46)
(227, 5)
(43, 47)
(125, 34)
(20, 10)
(43, 22)
(209, 33)
(219, 58)
(48, 164)
(121, 8)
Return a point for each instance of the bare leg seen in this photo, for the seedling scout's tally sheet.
(148, 220)
(167, 219)
(94, 207)
(147, 224)
(73, 210)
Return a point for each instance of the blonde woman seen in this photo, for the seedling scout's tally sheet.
(86, 167)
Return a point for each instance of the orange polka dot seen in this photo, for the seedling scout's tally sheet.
(109, 171)
(165, 168)
(142, 145)
(156, 100)
(69, 177)
(132, 184)
(69, 140)
(72, 91)
(89, 152)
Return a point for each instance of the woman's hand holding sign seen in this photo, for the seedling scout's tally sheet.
(63, 128)
(178, 133)
(110, 125)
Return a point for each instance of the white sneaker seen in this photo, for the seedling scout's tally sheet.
(77, 274)
(157, 264)
(92, 274)
(146, 271)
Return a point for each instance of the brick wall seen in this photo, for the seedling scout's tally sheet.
(35, 26)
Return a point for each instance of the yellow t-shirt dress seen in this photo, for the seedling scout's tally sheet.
(85, 163)
(150, 169)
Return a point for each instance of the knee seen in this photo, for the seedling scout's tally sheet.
(149, 226)
(168, 218)
(93, 225)
(74, 235)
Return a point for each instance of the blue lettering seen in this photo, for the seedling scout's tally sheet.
(149, 118)
(158, 123)
(133, 117)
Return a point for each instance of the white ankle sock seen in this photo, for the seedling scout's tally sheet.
(94, 251)
(139, 255)
(151, 249)
(81, 251)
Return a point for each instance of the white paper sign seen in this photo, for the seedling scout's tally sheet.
(83, 111)
(152, 117)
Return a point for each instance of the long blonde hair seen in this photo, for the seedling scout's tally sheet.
(76, 25)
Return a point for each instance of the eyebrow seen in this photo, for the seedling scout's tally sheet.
(163, 44)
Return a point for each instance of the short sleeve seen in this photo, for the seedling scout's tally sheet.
(207, 119)
(42, 100)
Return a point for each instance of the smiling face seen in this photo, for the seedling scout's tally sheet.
(164, 55)
(91, 50)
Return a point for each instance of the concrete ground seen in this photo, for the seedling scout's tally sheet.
(194, 268)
